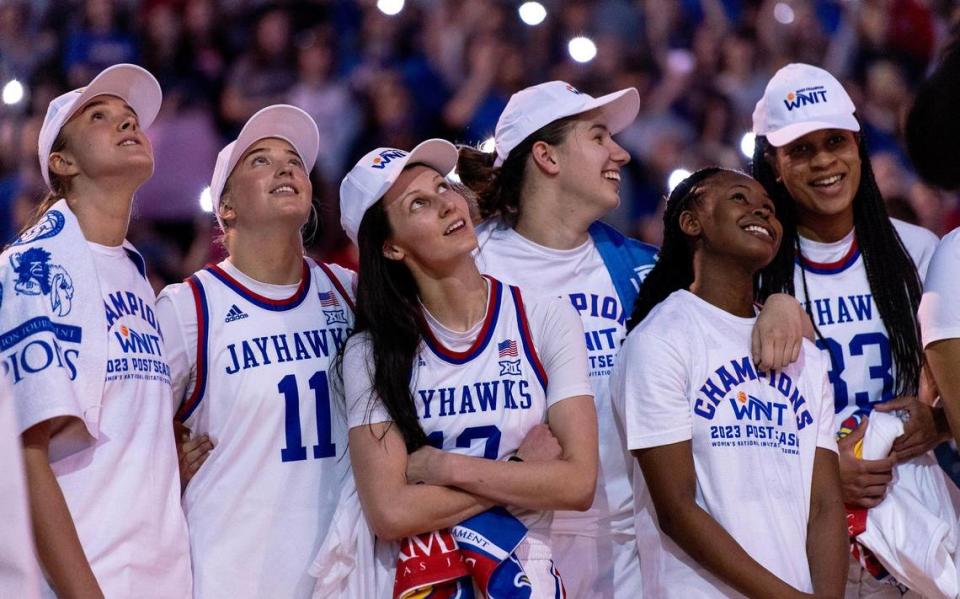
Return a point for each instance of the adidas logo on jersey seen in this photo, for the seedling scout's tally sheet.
(234, 313)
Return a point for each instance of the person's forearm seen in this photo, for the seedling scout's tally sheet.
(562, 484)
(710, 545)
(943, 358)
(416, 509)
(827, 548)
(58, 546)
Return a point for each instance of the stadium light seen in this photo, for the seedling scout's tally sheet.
(532, 13)
(783, 13)
(747, 144)
(13, 92)
(206, 200)
(390, 7)
(676, 177)
(582, 49)
(489, 145)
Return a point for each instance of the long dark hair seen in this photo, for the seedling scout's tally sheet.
(498, 188)
(891, 273)
(674, 267)
(388, 311)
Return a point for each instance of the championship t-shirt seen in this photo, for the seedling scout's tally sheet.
(581, 278)
(124, 491)
(686, 374)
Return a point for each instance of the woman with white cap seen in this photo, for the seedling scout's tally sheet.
(250, 342)
(85, 354)
(859, 274)
(457, 369)
(555, 173)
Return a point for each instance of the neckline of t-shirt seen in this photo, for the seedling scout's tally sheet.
(824, 251)
(582, 249)
(720, 312)
(111, 251)
(447, 333)
(266, 289)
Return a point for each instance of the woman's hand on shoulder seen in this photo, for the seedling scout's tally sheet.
(779, 331)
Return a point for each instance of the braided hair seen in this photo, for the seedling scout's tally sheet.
(674, 267)
(891, 273)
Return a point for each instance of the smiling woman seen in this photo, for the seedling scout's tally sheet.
(250, 341)
(715, 437)
(859, 272)
(94, 421)
(449, 373)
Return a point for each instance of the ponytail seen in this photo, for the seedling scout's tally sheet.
(499, 188)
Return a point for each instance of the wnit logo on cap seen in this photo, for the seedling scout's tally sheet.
(384, 158)
(570, 88)
(805, 95)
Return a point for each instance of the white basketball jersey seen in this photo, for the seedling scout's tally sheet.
(483, 401)
(844, 311)
(261, 504)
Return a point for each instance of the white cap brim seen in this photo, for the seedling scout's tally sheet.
(785, 135)
(619, 109)
(281, 121)
(360, 189)
(129, 82)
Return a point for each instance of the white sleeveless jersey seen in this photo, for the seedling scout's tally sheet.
(261, 504)
(843, 309)
(483, 401)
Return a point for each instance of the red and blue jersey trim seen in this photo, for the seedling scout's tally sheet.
(483, 338)
(261, 301)
(338, 285)
(526, 338)
(559, 591)
(831, 268)
(188, 406)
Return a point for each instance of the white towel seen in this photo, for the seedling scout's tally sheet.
(53, 334)
(913, 531)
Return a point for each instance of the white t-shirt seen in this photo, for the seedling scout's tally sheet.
(19, 574)
(480, 392)
(124, 491)
(940, 307)
(846, 315)
(685, 373)
(261, 504)
(580, 276)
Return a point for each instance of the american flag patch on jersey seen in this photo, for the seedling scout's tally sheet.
(328, 299)
(508, 348)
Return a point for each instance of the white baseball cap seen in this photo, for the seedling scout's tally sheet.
(282, 121)
(801, 98)
(537, 106)
(132, 84)
(373, 175)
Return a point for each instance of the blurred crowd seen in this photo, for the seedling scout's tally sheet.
(446, 68)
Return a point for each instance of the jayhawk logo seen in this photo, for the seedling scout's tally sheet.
(49, 226)
(37, 276)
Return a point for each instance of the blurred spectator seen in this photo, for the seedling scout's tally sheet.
(98, 39)
(263, 74)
